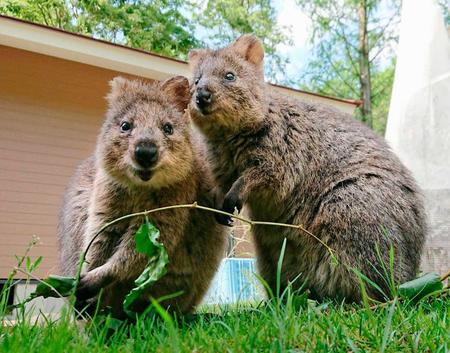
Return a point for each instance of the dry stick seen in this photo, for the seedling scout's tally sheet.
(195, 205)
(444, 277)
(192, 205)
(245, 220)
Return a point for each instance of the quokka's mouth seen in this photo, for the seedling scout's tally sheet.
(202, 110)
(144, 175)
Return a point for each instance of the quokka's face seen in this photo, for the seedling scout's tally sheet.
(145, 139)
(227, 85)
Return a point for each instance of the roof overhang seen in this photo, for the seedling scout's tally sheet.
(79, 48)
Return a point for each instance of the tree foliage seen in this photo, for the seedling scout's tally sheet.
(159, 26)
(335, 67)
(167, 27)
(225, 20)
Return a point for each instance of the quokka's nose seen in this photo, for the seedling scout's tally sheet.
(203, 98)
(146, 154)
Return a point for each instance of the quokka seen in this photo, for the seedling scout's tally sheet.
(147, 156)
(295, 162)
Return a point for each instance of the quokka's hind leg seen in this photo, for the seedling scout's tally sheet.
(362, 227)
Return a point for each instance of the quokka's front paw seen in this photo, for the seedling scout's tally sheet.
(224, 219)
(230, 202)
(88, 286)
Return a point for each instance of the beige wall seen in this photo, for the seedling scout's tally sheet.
(50, 113)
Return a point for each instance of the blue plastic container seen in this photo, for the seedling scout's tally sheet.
(234, 282)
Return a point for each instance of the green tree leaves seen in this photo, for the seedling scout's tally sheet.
(166, 27)
(228, 19)
(159, 26)
(338, 60)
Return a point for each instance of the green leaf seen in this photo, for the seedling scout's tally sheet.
(162, 312)
(147, 242)
(300, 301)
(63, 285)
(279, 267)
(145, 238)
(421, 286)
(36, 263)
(265, 285)
(51, 287)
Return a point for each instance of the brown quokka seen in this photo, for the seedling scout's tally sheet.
(147, 156)
(300, 163)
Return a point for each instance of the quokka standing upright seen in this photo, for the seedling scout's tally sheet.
(147, 156)
(301, 163)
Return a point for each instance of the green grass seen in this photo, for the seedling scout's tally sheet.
(396, 327)
(289, 324)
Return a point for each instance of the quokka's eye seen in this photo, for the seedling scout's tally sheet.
(168, 129)
(229, 76)
(125, 126)
(197, 80)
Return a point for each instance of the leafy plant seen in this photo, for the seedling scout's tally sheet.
(10, 282)
(147, 243)
(52, 287)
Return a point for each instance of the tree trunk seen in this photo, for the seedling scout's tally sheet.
(364, 68)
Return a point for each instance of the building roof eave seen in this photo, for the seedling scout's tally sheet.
(81, 48)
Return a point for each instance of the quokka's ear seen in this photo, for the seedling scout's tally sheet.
(177, 90)
(119, 87)
(195, 56)
(250, 48)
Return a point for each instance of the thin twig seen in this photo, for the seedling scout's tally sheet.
(191, 205)
(444, 277)
(296, 227)
(382, 305)
(204, 208)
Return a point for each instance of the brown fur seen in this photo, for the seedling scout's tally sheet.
(107, 186)
(300, 163)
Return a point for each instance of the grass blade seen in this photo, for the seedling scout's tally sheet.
(279, 267)
(388, 326)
